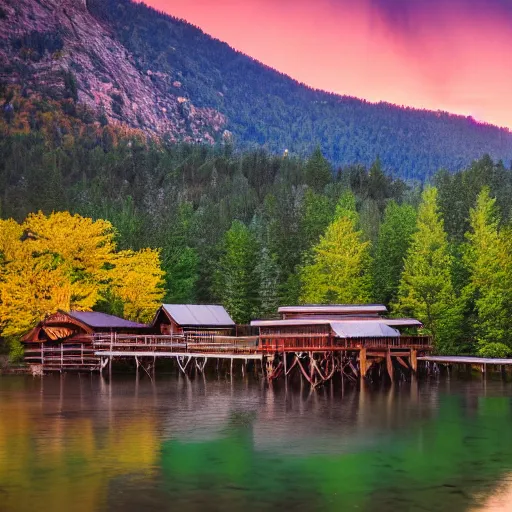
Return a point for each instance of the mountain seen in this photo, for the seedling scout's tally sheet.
(58, 49)
(131, 64)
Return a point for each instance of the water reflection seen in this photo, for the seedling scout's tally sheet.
(82, 443)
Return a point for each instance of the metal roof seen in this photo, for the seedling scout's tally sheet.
(402, 322)
(364, 330)
(102, 320)
(199, 315)
(397, 322)
(334, 308)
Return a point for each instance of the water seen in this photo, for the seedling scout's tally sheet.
(77, 443)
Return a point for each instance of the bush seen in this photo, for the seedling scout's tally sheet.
(494, 350)
(16, 351)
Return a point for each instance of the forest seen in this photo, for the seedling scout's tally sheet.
(267, 109)
(250, 229)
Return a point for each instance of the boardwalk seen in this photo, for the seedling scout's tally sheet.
(313, 342)
(465, 360)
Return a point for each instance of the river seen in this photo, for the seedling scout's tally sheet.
(80, 443)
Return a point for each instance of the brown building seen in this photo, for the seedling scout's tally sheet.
(192, 318)
(64, 340)
(343, 325)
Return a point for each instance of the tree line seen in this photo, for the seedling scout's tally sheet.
(252, 230)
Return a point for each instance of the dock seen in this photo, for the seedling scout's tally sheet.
(466, 361)
(313, 343)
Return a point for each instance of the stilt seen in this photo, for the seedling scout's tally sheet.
(362, 364)
(389, 365)
(402, 362)
(414, 360)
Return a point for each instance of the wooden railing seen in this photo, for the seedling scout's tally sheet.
(88, 351)
(292, 343)
(180, 344)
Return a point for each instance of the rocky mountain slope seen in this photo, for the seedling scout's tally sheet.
(58, 48)
(132, 65)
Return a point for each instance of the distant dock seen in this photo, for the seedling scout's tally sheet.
(467, 361)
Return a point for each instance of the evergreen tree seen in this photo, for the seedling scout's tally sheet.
(339, 272)
(316, 213)
(426, 291)
(489, 262)
(180, 261)
(267, 273)
(393, 242)
(318, 172)
(182, 276)
(378, 184)
(235, 281)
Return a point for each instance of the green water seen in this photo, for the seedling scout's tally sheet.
(79, 443)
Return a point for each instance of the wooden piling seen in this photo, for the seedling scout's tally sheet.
(389, 365)
(362, 364)
(414, 360)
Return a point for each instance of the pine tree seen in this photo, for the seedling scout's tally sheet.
(318, 172)
(235, 281)
(393, 242)
(182, 276)
(489, 261)
(317, 212)
(267, 273)
(339, 272)
(426, 291)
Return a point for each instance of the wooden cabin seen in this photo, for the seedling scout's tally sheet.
(342, 326)
(64, 340)
(193, 319)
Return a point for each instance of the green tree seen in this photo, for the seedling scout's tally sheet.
(488, 259)
(426, 291)
(318, 172)
(235, 281)
(182, 276)
(394, 238)
(267, 274)
(180, 261)
(316, 214)
(339, 272)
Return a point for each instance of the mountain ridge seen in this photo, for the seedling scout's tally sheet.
(160, 74)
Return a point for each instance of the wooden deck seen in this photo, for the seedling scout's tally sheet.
(313, 356)
(466, 360)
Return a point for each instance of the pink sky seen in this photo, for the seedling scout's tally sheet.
(448, 55)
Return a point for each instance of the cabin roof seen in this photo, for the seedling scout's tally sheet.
(364, 330)
(198, 315)
(98, 320)
(396, 322)
(333, 309)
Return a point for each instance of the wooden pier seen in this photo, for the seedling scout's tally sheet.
(483, 364)
(316, 359)
(315, 343)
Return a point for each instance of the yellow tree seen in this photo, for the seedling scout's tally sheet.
(82, 247)
(339, 272)
(65, 261)
(137, 280)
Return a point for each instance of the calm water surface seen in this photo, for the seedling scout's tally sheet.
(78, 443)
